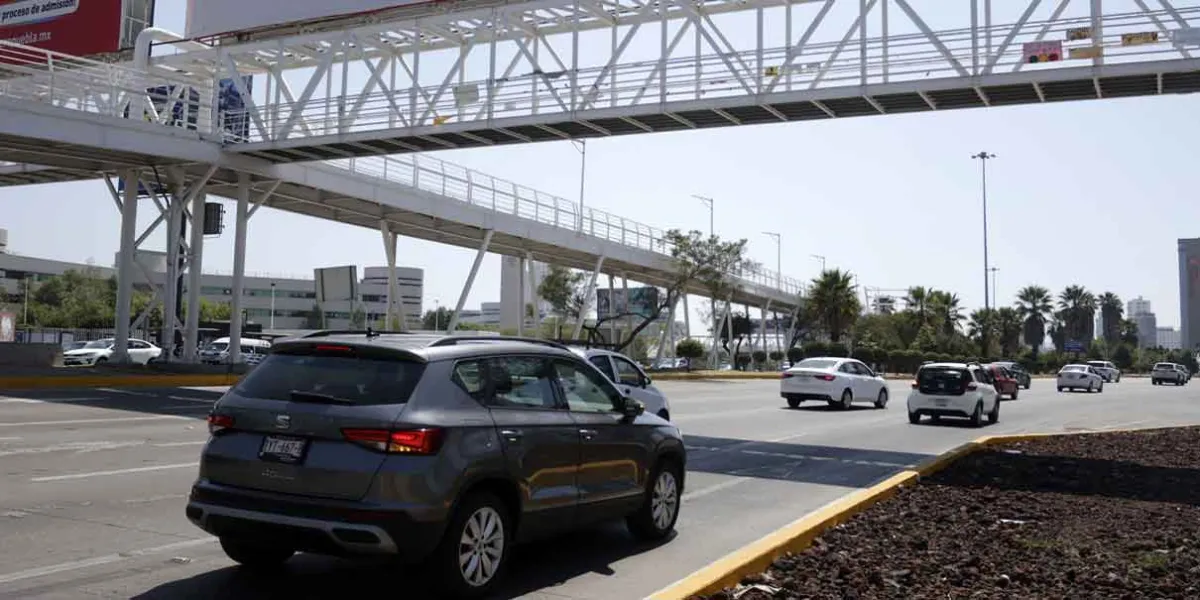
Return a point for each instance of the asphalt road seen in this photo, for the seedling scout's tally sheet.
(93, 485)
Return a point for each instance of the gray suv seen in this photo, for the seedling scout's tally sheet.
(439, 450)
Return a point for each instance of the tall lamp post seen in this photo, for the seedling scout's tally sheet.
(272, 306)
(983, 158)
(712, 231)
(581, 147)
(820, 258)
(993, 270)
(778, 277)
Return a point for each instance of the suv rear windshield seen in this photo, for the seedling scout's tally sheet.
(354, 380)
(1164, 367)
(943, 380)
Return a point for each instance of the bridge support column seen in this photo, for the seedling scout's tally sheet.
(667, 332)
(395, 302)
(587, 298)
(762, 328)
(535, 298)
(239, 267)
(687, 321)
(191, 337)
(628, 304)
(612, 311)
(125, 265)
(522, 301)
(462, 298)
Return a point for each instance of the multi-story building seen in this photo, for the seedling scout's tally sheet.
(1168, 337)
(1138, 311)
(1137, 306)
(293, 299)
(1189, 293)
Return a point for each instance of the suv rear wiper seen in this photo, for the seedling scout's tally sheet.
(317, 398)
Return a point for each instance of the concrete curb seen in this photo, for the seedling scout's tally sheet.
(798, 535)
(99, 381)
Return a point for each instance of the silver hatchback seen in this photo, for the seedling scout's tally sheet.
(442, 450)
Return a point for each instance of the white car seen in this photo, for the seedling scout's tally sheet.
(98, 352)
(1106, 369)
(629, 377)
(1080, 377)
(1164, 372)
(953, 390)
(838, 381)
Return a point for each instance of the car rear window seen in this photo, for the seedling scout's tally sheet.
(1164, 367)
(934, 379)
(356, 380)
(816, 363)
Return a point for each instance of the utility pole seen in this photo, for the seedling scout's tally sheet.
(993, 270)
(820, 258)
(712, 232)
(983, 157)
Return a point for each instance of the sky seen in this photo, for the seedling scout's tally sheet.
(1084, 193)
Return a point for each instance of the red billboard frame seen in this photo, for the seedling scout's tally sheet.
(75, 27)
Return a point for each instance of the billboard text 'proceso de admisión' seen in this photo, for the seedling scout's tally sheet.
(214, 17)
(76, 27)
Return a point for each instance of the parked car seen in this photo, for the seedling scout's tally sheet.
(217, 352)
(1187, 373)
(1106, 369)
(1164, 372)
(428, 448)
(1022, 376)
(953, 390)
(98, 352)
(632, 380)
(1003, 380)
(1080, 377)
(838, 381)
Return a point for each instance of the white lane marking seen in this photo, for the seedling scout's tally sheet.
(86, 421)
(76, 565)
(189, 399)
(724, 485)
(50, 400)
(128, 392)
(113, 472)
(77, 447)
(10, 439)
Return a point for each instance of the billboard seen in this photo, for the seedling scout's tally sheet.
(76, 27)
(207, 18)
(642, 301)
(336, 284)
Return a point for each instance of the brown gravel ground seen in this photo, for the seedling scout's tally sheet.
(1105, 516)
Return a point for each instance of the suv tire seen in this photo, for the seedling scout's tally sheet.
(255, 556)
(472, 530)
(656, 518)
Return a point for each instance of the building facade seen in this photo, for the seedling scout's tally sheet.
(273, 302)
(1168, 337)
(1189, 292)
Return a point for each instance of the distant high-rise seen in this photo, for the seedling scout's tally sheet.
(1137, 306)
(1189, 292)
(1138, 311)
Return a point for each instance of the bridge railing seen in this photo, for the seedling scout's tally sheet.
(455, 181)
(167, 98)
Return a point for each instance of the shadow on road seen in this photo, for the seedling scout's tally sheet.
(799, 463)
(535, 567)
(186, 402)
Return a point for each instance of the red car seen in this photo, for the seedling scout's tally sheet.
(1005, 382)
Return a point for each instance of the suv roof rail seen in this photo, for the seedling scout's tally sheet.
(369, 332)
(453, 340)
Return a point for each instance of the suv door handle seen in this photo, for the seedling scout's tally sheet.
(588, 433)
(511, 436)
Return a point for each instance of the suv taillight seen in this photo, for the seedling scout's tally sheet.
(219, 423)
(406, 441)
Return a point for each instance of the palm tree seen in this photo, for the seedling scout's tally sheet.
(833, 302)
(1111, 313)
(1079, 313)
(982, 328)
(945, 311)
(1034, 305)
(1008, 329)
(917, 301)
(1129, 332)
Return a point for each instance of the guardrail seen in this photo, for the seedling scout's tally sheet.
(480, 189)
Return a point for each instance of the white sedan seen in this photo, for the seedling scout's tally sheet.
(838, 381)
(98, 352)
(1080, 377)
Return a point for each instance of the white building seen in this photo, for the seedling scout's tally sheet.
(293, 298)
(1137, 306)
(1168, 337)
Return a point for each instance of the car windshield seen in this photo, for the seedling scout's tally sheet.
(98, 345)
(352, 380)
(816, 363)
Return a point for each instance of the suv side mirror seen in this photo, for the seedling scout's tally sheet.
(632, 408)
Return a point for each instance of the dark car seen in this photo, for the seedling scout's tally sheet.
(1018, 372)
(440, 450)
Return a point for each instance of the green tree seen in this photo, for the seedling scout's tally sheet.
(742, 329)
(1129, 332)
(689, 349)
(981, 328)
(833, 303)
(1111, 313)
(1078, 307)
(438, 320)
(1008, 330)
(1035, 306)
(564, 290)
(945, 311)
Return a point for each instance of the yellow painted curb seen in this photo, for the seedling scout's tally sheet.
(757, 556)
(95, 381)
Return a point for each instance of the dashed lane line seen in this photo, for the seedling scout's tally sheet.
(86, 563)
(91, 474)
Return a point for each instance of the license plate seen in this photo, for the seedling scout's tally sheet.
(941, 401)
(283, 449)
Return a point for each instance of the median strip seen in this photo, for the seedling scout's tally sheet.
(759, 555)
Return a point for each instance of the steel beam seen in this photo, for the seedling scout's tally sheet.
(462, 297)
(239, 268)
(191, 337)
(587, 298)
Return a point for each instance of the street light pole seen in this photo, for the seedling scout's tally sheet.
(820, 258)
(993, 270)
(712, 232)
(272, 306)
(581, 147)
(983, 157)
